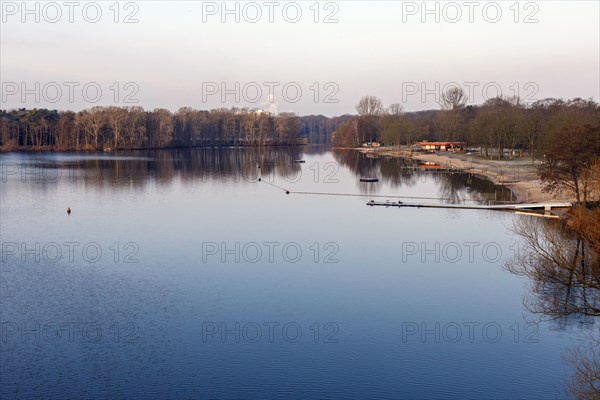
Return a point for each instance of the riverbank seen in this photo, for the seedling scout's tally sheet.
(519, 175)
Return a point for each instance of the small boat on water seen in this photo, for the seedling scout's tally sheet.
(299, 161)
(369, 180)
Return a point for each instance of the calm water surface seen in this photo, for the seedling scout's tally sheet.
(179, 274)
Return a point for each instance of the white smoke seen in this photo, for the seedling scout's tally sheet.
(270, 105)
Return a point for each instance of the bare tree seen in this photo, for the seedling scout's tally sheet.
(395, 109)
(585, 361)
(452, 102)
(116, 117)
(569, 163)
(92, 121)
(453, 98)
(392, 124)
(369, 106)
(369, 109)
(135, 127)
(165, 127)
(562, 260)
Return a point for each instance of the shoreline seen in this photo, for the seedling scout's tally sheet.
(112, 150)
(518, 175)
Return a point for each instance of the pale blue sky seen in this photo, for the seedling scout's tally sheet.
(178, 49)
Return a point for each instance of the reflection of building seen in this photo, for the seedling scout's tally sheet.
(442, 146)
(429, 165)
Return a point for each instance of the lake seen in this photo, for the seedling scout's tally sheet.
(179, 274)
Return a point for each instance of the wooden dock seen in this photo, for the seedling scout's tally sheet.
(526, 208)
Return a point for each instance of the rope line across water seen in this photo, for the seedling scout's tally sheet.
(360, 195)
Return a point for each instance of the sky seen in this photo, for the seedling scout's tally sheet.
(305, 57)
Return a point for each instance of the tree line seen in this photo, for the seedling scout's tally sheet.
(318, 129)
(499, 124)
(100, 128)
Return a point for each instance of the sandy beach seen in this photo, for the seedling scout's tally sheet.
(519, 175)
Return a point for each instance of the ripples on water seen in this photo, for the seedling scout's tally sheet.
(152, 313)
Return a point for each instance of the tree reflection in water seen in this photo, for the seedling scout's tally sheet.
(453, 187)
(562, 261)
(137, 169)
